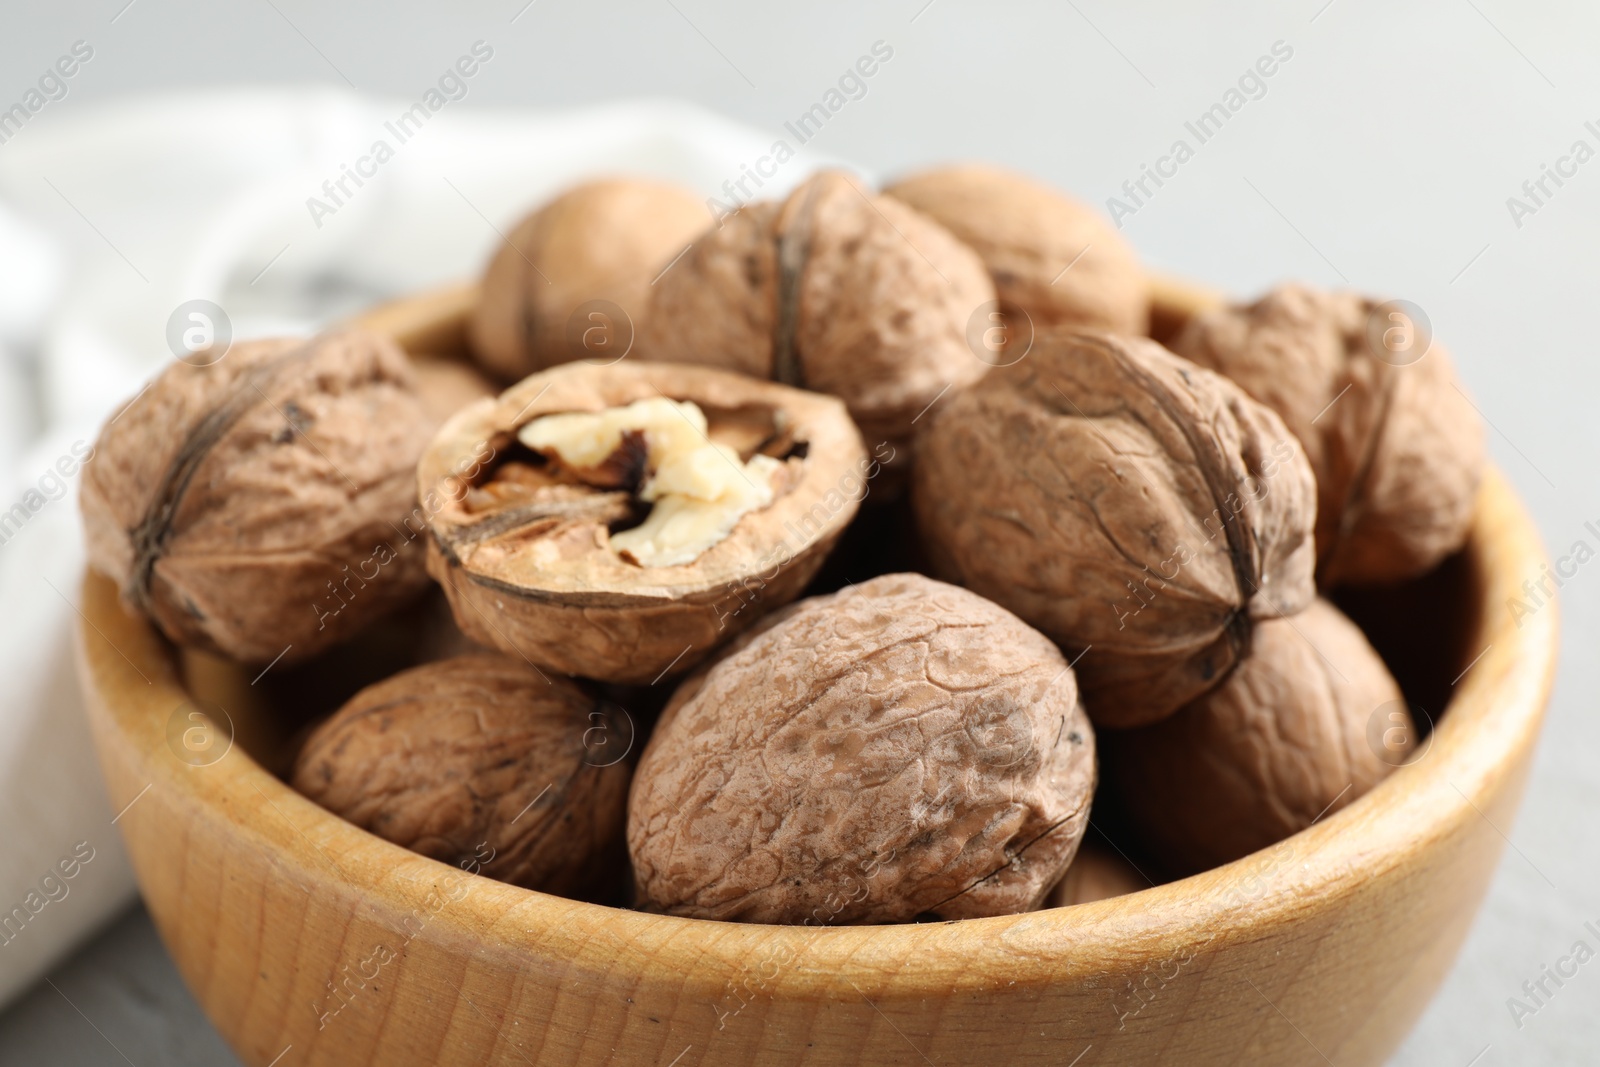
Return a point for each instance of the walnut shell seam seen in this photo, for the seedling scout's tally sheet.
(149, 537)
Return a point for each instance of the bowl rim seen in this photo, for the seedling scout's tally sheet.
(132, 680)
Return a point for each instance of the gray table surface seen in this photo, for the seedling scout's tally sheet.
(1381, 155)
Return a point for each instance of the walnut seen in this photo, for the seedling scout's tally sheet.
(1397, 448)
(1139, 510)
(1050, 256)
(619, 522)
(900, 748)
(477, 761)
(573, 279)
(1284, 741)
(1097, 873)
(251, 506)
(834, 290)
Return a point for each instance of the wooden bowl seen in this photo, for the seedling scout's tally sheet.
(309, 941)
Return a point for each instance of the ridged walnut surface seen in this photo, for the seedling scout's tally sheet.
(899, 748)
(1283, 741)
(251, 506)
(835, 290)
(1395, 444)
(479, 762)
(1141, 511)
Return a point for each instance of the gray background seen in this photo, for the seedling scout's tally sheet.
(1382, 155)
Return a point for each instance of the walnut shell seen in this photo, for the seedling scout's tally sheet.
(1283, 741)
(1397, 448)
(1139, 510)
(477, 761)
(1097, 873)
(1049, 255)
(603, 240)
(900, 748)
(538, 578)
(834, 290)
(252, 506)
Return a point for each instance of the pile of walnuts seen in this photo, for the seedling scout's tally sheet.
(798, 563)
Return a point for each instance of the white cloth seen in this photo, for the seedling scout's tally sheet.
(111, 218)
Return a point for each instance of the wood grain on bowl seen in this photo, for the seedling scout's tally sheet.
(308, 941)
